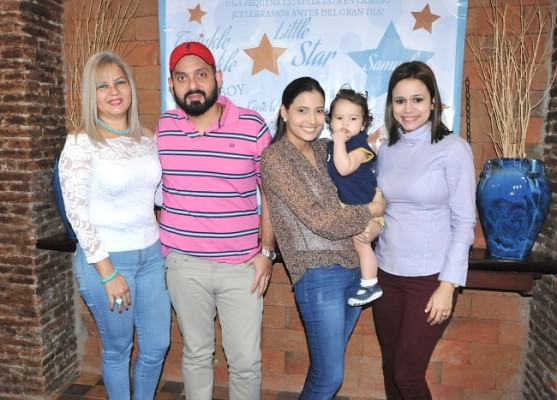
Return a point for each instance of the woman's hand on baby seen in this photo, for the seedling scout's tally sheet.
(378, 205)
(373, 229)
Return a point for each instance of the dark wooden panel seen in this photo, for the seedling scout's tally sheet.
(485, 273)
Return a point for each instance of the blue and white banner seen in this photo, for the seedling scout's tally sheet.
(262, 45)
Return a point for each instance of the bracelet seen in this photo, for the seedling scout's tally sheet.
(110, 277)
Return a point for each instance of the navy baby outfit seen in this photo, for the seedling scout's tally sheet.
(359, 186)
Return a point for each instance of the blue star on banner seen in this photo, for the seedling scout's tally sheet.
(379, 63)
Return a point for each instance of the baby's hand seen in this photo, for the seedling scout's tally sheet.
(340, 136)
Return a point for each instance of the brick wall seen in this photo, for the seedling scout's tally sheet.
(541, 355)
(38, 351)
(481, 356)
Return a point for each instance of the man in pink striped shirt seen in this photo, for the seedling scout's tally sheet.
(218, 247)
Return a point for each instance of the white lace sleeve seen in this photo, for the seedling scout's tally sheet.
(75, 179)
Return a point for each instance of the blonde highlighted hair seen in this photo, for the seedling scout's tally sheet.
(89, 112)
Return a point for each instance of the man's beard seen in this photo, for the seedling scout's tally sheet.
(197, 108)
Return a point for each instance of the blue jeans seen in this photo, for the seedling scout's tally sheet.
(149, 314)
(328, 321)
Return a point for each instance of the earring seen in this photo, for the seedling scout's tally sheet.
(284, 119)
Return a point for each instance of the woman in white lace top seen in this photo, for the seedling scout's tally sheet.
(109, 173)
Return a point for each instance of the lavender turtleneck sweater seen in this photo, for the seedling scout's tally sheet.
(430, 216)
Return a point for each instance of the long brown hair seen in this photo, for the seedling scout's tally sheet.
(421, 71)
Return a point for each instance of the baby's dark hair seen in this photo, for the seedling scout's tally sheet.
(360, 99)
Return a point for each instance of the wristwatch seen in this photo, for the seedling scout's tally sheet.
(271, 255)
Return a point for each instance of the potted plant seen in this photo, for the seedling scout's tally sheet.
(513, 193)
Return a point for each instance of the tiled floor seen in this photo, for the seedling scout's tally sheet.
(87, 387)
(91, 387)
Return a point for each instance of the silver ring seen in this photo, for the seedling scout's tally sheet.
(119, 301)
(444, 316)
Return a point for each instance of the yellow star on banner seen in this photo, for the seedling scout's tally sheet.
(265, 56)
(196, 13)
(424, 19)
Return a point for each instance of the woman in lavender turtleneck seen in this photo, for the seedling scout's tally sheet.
(426, 174)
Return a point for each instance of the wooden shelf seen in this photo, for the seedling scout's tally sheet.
(484, 272)
(59, 242)
(517, 276)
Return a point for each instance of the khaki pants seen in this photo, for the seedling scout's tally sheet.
(198, 289)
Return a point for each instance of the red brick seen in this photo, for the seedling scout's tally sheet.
(175, 334)
(144, 53)
(371, 347)
(446, 392)
(454, 352)
(536, 131)
(494, 355)
(273, 361)
(365, 323)
(350, 387)
(149, 120)
(149, 101)
(372, 386)
(218, 333)
(146, 28)
(511, 332)
(147, 78)
(274, 317)
(219, 392)
(296, 363)
(463, 305)
(219, 357)
(293, 319)
(91, 347)
(509, 307)
(366, 368)
(146, 8)
(280, 275)
(355, 365)
(433, 372)
(172, 372)
(280, 295)
(90, 364)
(220, 374)
(468, 376)
(487, 394)
(355, 345)
(284, 383)
(472, 330)
(285, 340)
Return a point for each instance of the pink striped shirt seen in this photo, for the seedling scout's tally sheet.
(210, 183)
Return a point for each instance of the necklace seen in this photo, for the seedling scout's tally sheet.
(115, 131)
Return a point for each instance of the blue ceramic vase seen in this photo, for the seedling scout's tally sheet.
(512, 197)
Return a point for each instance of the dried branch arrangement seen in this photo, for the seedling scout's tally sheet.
(99, 26)
(507, 66)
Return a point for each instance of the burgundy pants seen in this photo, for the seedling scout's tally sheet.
(407, 340)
